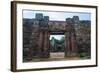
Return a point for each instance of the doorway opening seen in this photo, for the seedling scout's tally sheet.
(57, 45)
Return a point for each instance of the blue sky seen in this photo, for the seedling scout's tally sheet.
(58, 37)
(60, 16)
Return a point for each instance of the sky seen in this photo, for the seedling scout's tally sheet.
(58, 37)
(59, 16)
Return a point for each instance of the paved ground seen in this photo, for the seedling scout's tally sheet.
(57, 55)
(60, 56)
(54, 56)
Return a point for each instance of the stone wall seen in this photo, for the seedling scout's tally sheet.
(38, 44)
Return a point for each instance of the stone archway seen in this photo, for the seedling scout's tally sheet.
(40, 37)
(70, 40)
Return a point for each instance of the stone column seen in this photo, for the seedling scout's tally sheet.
(45, 40)
(46, 46)
(73, 44)
(40, 43)
(67, 44)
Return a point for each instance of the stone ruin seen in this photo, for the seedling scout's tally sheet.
(42, 27)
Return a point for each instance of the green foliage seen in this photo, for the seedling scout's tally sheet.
(83, 55)
(55, 41)
(58, 43)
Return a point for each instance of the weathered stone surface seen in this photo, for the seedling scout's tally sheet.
(36, 39)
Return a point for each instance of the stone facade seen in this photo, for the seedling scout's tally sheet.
(42, 27)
